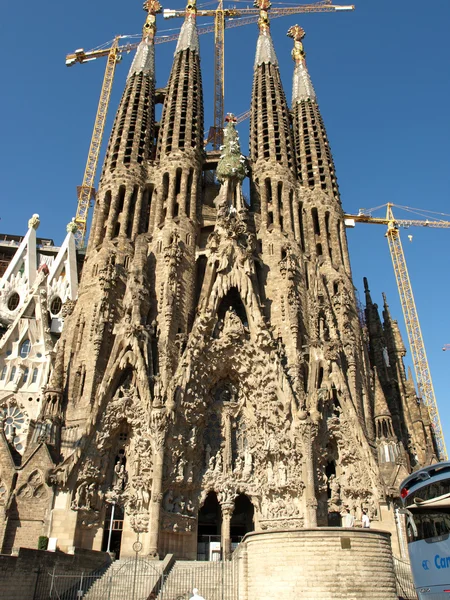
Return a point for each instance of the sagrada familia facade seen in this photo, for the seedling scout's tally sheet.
(214, 375)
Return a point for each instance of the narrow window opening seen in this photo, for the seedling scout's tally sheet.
(200, 276)
(132, 210)
(146, 208)
(300, 222)
(315, 217)
(340, 241)
(320, 378)
(189, 191)
(121, 199)
(178, 182)
(268, 191)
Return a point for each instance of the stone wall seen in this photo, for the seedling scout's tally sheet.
(332, 563)
(19, 574)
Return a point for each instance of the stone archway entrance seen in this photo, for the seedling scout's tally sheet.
(209, 529)
(242, 519)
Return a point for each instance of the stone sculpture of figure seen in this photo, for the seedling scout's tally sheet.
(80, 497)
(272, 444)
(269, 472)
(91, 496)
(207, 455)
(180, 469)
(334, 489)
(121, 477)
(282, 474)
(211, 463)
(238, 465)
(248, 461)
(218, 467)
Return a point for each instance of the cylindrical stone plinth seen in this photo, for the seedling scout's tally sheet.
(318, 564)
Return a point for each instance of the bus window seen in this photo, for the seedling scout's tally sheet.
(426, 526)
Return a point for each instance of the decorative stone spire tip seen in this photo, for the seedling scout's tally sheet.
(34, 222)
(265, 52)
(302, 88)
(188, 38)
(264, 7)
(151, 7)
(72, 227)
(144, 59)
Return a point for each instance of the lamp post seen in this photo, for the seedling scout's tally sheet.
(108, 549)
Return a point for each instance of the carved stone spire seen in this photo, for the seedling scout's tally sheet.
(122, 202)
(271, 144)
(377, 343)
(188, 39)
(265, 52)
(315, 167)
(182, 118)
(392, 331)
(144, 59)
(302, 88)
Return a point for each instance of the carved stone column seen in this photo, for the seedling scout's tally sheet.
(227, 451)
(227, 512)
(158, 429)
(308, 430)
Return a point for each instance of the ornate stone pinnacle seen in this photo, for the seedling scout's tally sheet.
(232, 163)
(34, 222)
(72, 226)
(263, 21)
(191, 7)
(297, 33)
(152, 7)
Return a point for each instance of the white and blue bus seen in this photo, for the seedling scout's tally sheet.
(426, 501)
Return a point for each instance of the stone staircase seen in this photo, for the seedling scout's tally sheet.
(214, 581)
(126, 578)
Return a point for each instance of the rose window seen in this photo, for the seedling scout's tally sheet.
(14, 426)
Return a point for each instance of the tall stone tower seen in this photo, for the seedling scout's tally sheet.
(215, 376)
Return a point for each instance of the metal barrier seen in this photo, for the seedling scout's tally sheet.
(133, 579)
(404, 580)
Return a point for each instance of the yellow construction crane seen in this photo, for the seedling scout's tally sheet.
(235, 17)
(86, 191)
(418, 353)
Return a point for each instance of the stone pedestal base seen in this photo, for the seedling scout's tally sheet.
(315, 564)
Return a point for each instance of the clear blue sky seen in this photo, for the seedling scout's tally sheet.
(382, 78)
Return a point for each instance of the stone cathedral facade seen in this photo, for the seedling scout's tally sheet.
(215, 375)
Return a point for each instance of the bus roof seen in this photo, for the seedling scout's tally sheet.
(421, 477)
(439, 502)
